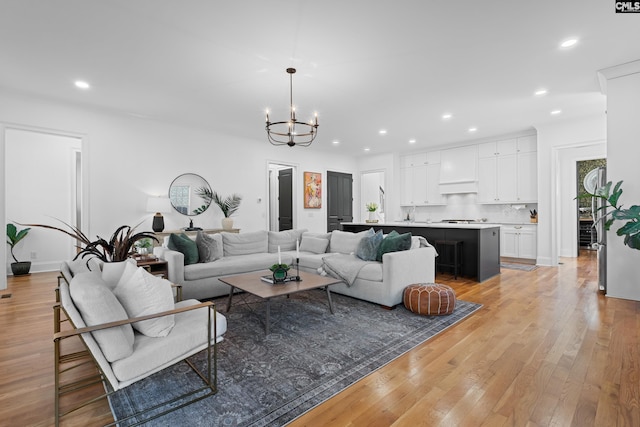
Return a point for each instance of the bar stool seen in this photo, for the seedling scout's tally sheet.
(449, 255)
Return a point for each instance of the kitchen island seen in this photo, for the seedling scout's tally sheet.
(480, 248)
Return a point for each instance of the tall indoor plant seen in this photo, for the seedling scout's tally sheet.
(18, 268)
(615, 211)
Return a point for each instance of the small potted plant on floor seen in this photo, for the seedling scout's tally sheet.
(18, 268)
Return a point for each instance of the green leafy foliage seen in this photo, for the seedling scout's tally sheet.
(14, 236)
(631, 229)
(228, 205)
(117, 248)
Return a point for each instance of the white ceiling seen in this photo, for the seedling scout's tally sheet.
(362, 65)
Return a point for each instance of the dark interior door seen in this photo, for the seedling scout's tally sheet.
(285, 199)
(339, 199)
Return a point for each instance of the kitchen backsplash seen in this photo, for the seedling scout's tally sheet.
(464, 206)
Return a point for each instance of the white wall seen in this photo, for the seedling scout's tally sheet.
(553, 137)
(129, 159)
(623, 152)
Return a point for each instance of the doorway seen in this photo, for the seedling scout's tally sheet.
(43, 195)
(339, 199)
(281, 196)
(372, 190)
(584, 213)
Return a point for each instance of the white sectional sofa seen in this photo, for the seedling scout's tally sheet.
(378, 282)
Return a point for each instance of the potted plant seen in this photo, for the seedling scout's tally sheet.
(144, 246)
(631, 229)
(229, 205)
(18, 268)
(118, 248)
(372, 208)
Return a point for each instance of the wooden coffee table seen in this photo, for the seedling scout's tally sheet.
(251, 283)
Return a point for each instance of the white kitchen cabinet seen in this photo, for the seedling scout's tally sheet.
(419, 179)
(518, 241)
(434, 197)
(507, 171)
(497, 148)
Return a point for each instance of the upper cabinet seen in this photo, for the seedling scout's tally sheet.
(419, 174)
(507, 171)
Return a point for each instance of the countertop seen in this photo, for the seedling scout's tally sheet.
(472, 226)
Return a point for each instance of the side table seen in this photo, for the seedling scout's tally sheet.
(157, 267)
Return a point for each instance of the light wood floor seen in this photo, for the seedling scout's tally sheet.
(546, 349)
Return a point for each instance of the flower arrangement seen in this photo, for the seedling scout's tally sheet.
(371, 206)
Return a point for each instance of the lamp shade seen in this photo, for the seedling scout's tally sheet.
(158, 204)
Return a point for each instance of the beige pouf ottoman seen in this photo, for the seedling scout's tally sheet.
(431, 299)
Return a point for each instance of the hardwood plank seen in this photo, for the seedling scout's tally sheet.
(546, 349)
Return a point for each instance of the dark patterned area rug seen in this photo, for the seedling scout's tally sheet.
(309, 356)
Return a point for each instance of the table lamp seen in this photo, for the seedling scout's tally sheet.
(159, 205)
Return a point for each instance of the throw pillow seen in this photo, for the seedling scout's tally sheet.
(314, 244)
(97, 305)
(145, 294)
(345, 242)
(394, 242)
(183, 244)
(209, 247)
(367, 249)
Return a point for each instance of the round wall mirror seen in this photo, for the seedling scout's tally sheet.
(190, 194)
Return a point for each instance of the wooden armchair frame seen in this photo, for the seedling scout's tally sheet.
(66, 363)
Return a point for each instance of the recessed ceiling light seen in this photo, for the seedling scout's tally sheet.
(82, 84)
(473, 129)
(568, 43)
(446, 116)
(336, 142)
(382, 131)
(367, 149)
(412, 141)
(556, 112)
(540, 92)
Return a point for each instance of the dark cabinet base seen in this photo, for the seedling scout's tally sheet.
(480, 248)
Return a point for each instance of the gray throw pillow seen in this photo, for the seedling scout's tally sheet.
(209, 247)
(367, 249)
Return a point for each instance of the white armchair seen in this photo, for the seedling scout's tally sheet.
(122, 355)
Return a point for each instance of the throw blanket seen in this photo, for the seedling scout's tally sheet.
(425, 244)
(345, 267)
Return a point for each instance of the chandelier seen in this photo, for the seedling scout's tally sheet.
(292, 132)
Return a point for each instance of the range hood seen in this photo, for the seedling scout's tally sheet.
(458, 170)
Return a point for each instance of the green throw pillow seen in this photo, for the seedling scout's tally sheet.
(394, 242)
(182, 243)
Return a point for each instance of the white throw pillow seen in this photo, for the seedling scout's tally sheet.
(145, 294)
(112, 271)
(97, 305)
